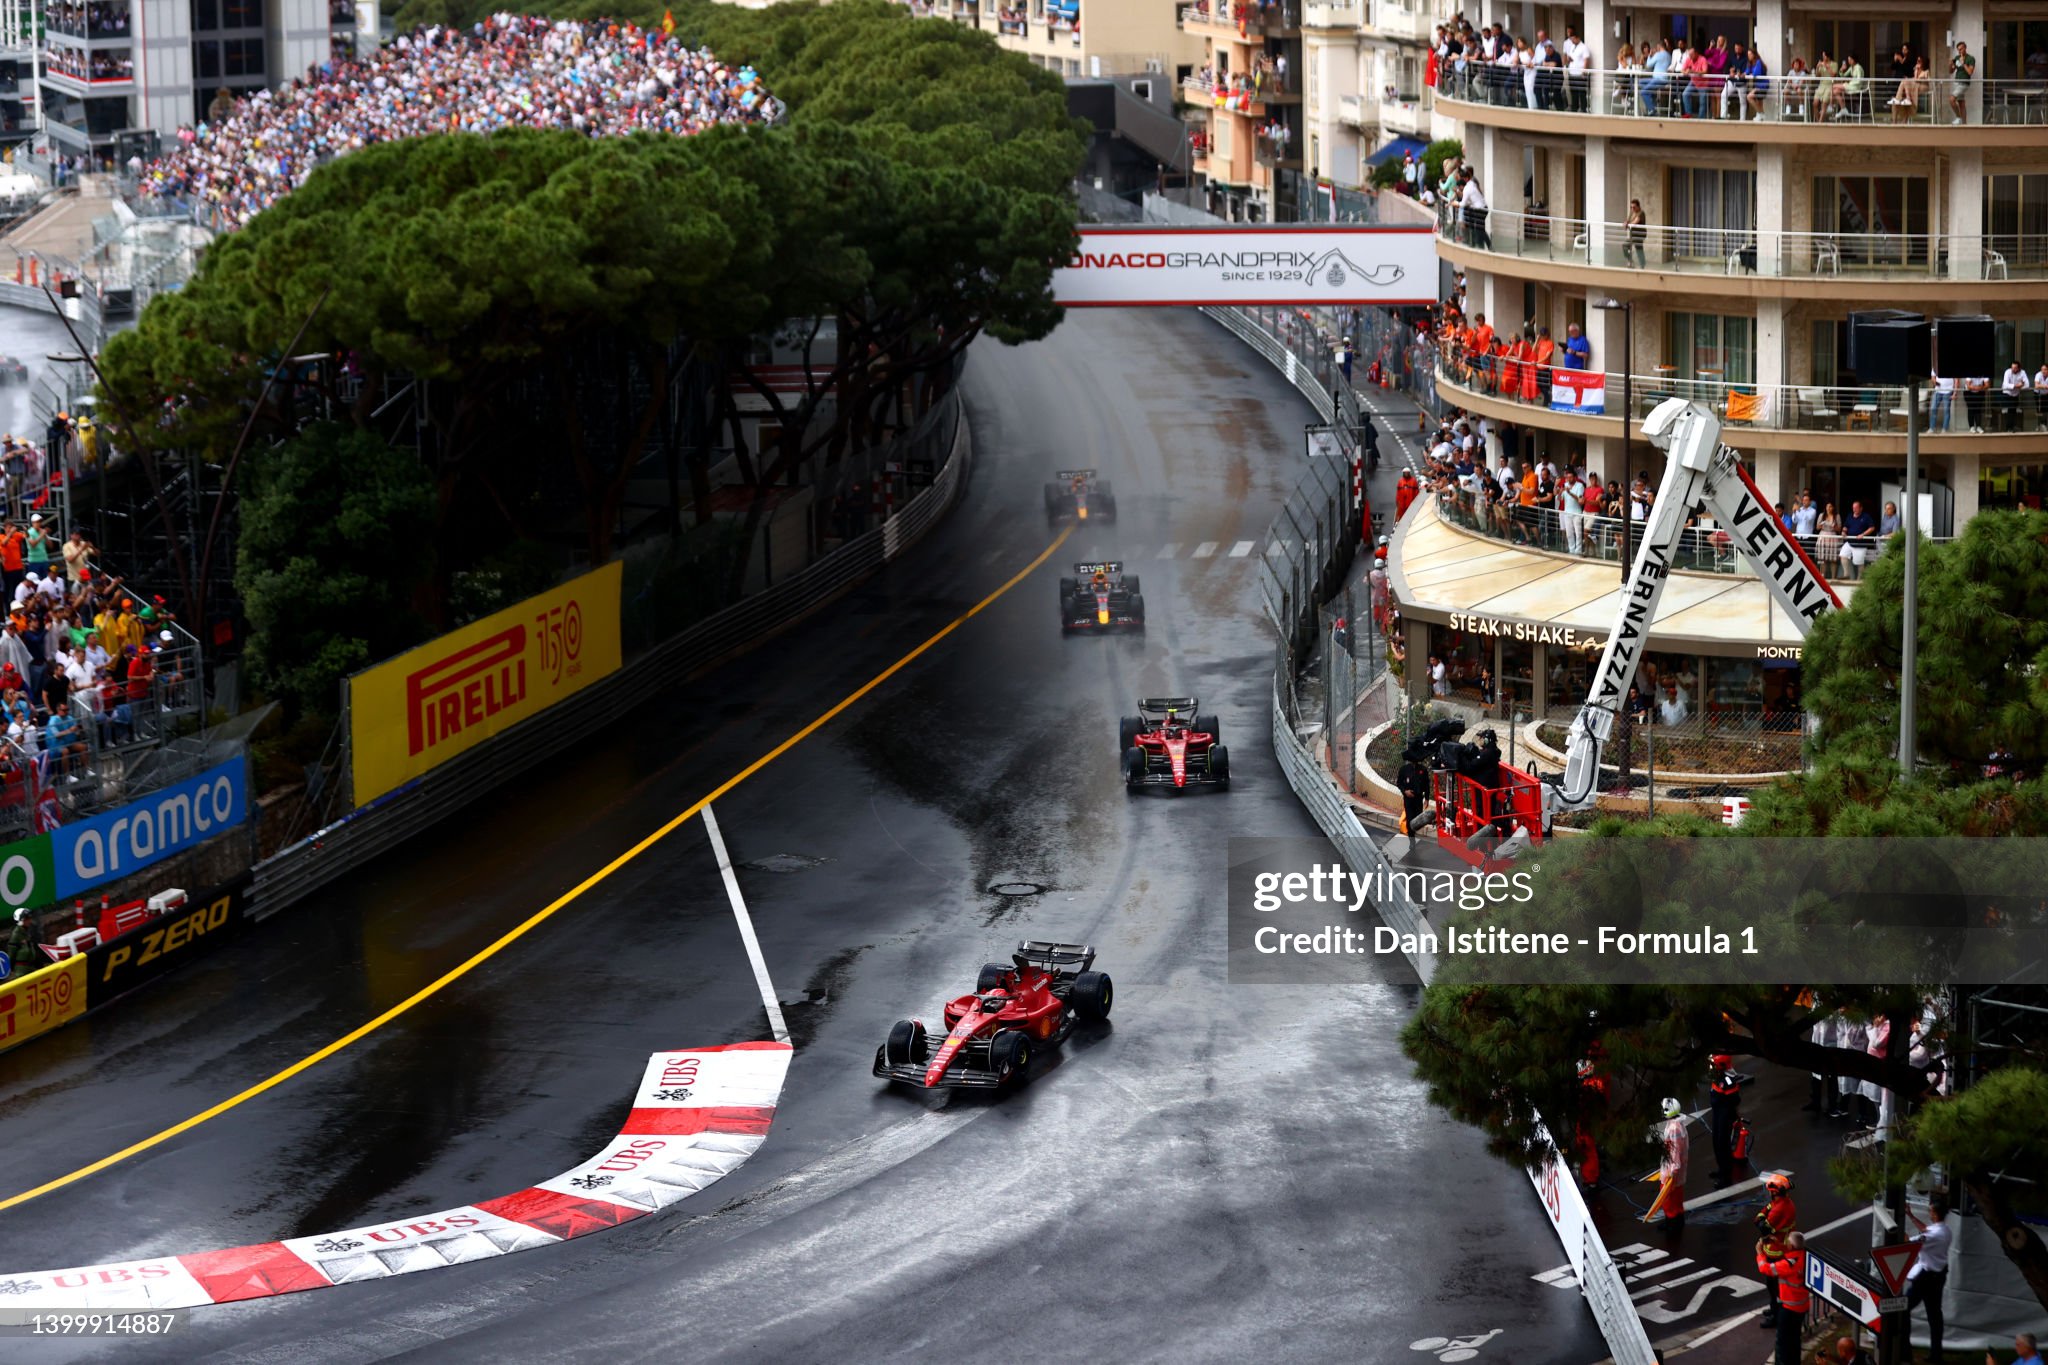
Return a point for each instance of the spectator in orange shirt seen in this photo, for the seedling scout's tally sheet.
(12, 544)
(1536, 381)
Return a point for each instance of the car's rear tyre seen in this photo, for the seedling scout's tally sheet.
(1068, 587)
(1134, 767)
(1104, 490)
(1131, 585)
(1105, 508)
(1091, 996)
(1052, 499)
(1219, 765)
(906, 1043)
(1208, 725)
(990, 978)
(1127, 732)
(1138, 609)
(1009, 1053)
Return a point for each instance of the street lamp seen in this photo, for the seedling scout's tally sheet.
(1628, 338)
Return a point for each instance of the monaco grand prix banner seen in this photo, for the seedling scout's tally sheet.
(1165, 267)
(413, 713)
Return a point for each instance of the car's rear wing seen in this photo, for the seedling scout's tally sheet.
(1105, 566)
(1150, 706)
(1054, 957)
(1075, 474)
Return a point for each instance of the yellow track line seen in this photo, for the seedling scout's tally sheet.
(542, 915)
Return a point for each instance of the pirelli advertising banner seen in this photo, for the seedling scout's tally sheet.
(415, 712)
(1168, 267)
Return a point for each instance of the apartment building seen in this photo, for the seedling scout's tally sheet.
(1120, 37)
(1767, 216)
(139, 67)
(1366, 96)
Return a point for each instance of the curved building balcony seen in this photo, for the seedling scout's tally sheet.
(1874, 268)
(1885, 113)
(1808, 417)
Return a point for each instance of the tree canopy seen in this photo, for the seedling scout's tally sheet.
(543, 313)
(1496, 1056)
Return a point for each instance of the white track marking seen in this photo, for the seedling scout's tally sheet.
(1205, 549)
(1241, 549)
(1841, 1222)
(739, 912)
(1725, 1192)
(1722, 1330)
(1168, 551)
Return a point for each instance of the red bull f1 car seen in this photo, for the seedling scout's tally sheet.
(1170, 743)
(1031, 1004)
(1077, 495)
(1100, 597)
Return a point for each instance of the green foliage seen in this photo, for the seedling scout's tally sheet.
(1386, 175)
(1495, 1056)
(1994, 1125)
(1434, 156)
(336, 536)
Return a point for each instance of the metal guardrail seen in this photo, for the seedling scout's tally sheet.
(1606, 1294)
(304, 867)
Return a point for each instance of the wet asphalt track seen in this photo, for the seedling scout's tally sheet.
(1223, 1174)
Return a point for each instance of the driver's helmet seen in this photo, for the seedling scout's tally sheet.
(1101, 580)
(1080, 482)
(995, 1002)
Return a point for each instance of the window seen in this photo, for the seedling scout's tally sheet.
(1714, 211)
(2018, 50)
(209, 60)
(1871, 42)
(2016, 216)
(1880, 219)
(1711, 348)
(205, 16)
(242, 57)
(241, 13)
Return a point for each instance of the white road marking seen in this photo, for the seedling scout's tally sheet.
(1656, 1289)
(1241, 549)
(1726, 1327)
(739, 912)
(1841, 1222)
(1205, 549)
(1168, 551)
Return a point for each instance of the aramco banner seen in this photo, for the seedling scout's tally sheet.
(413, 713)
(1167, 267)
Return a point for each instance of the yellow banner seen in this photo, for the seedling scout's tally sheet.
(417, 711)
(42, 1000)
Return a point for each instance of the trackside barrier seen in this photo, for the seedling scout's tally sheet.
(1555, 1183)
(304, 867)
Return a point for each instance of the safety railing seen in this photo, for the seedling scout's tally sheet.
(1482, 508)
(312, 862)
(1319, 560)
(1822, 101)
(1866, 256)
(1876, 409)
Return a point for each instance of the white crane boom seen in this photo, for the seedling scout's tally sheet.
(1700, 470)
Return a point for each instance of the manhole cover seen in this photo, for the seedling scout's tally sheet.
(782, 862)
(1017, 889)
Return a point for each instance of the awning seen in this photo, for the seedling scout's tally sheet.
(1396, 149)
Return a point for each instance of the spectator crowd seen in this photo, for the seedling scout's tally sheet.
(602, 79)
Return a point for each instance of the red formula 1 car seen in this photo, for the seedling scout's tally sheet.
(1169, 743)
(1033, 1003)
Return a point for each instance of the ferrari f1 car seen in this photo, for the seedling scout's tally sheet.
(1100, 597)
(1170, 743)
(1076, 494)
(1033, 1002)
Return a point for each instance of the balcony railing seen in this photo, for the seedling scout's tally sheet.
(1703, 547)
(1780, 407)
(1777, 99)
(1413, 21)
(1242, 18)
(1350, 109)
(1872, 256)
(1333, 13)
(1237, 97)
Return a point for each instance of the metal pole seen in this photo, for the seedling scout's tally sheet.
(1628, 365)
(1910, 522)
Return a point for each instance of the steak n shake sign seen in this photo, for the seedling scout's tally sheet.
(1165, 267)
(412, 713)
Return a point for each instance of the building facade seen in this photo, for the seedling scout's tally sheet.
(115, 67)
(1711, 239)
(1120, 37)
